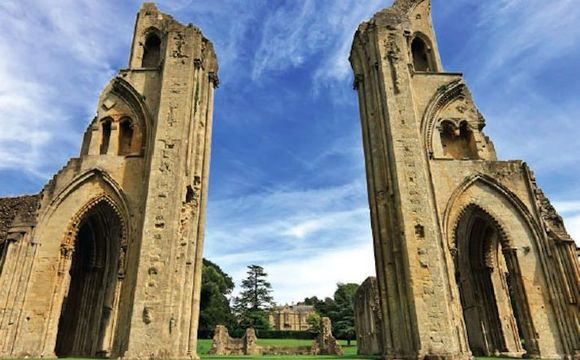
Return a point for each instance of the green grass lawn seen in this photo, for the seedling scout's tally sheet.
(203, 346)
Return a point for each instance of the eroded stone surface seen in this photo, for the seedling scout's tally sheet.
(325, 343)
(367, 318)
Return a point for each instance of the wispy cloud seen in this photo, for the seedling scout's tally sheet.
(528, 33)
(316, 33)
(55, 57)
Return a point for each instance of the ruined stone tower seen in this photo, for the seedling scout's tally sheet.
(106, 260)
(470, 255)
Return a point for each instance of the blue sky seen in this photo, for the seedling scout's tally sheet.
(287, 188)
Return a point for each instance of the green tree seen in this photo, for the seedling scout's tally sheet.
(216, 286)
(313, 321)
(252, 305)
(312, 301)
(325, 307)
(342, 313)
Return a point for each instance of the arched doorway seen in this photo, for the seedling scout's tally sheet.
(487, 273)
(87, 308)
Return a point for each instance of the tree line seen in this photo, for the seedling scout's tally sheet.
(252, 306)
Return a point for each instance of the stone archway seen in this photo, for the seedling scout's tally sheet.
(487, 275)
(88, 309)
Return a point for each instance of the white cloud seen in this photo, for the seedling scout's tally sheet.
(573, 227)
(570, 211)
(567, 207)
(296, 278)
(55, 57)
(292, 35)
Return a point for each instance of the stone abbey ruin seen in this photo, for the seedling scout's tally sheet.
(106, 260)
(471, 257)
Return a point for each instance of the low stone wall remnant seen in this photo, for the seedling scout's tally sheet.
(224, 344)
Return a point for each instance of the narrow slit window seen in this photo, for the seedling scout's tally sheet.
(421, 56)
(106, 128)
(126, 137)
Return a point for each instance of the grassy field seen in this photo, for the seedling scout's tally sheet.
(203, 346)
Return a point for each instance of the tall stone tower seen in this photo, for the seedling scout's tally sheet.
(107, 259)
(470, 255)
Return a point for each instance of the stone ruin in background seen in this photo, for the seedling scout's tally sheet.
(367, 318)
(325, 343)
(223, 344)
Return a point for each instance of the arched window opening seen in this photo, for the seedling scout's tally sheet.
(458, 141)
(422, 58)
(87, 309)
(126, 137)
(106, 139)
(487, 275)
(151, 51)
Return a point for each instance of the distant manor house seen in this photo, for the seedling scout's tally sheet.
(471, 257)
(291, 317)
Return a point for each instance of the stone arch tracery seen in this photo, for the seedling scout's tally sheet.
(123, 123)
(473, 207)
(513, 318)
(484, 277)
(93, 251)
(111, 195)
(137, 110)
(452, 126)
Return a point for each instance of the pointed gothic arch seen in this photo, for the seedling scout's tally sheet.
(142, 115)
(443, 96)
(93, 252)
(486, 259)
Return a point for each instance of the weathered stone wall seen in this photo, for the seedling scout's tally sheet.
(367, 318)
(22, 209)
(223, 344)
(325, 343)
